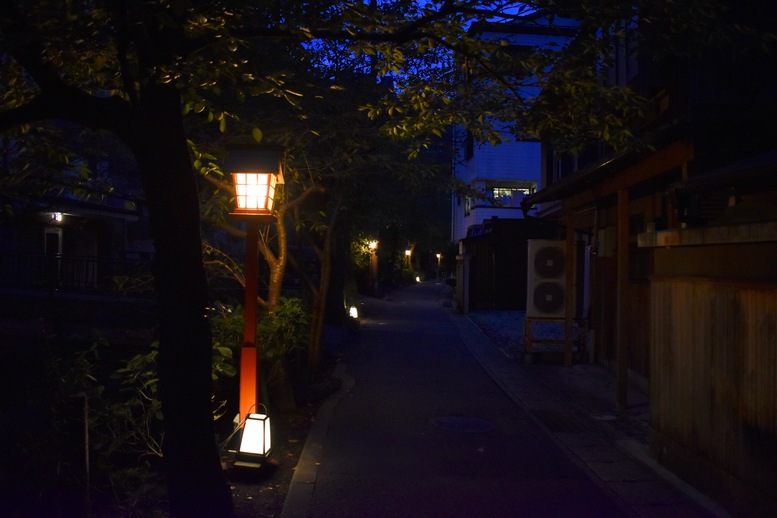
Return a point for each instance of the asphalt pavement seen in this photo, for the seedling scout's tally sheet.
(434, 420)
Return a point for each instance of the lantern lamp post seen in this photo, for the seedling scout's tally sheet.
(439, 256)
(256, 172)
(372, 277)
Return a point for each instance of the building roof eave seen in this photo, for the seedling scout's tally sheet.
(572, 183)
(623, 170)
(758, 171)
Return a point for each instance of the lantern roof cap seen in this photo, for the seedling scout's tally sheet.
(254, 158)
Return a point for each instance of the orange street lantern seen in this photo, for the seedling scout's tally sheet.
(256, 173)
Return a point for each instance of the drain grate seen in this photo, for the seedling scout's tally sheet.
(558, 421)
(464, 424)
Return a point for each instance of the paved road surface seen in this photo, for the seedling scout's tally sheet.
(424, 431)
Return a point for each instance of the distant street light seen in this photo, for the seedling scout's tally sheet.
(439, 256)
(372, 273)
(256, 172)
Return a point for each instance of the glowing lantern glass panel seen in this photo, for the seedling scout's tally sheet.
(254, 192)
(256, 435)
(256, 173)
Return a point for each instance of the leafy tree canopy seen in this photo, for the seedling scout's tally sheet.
(212, 51)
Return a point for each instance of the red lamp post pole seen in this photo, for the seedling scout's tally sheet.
(252, 281)
(250, 388)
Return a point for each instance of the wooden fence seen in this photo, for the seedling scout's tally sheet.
(66, 272)
(714, 382)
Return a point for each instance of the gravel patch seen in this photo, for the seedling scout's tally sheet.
(505, 328)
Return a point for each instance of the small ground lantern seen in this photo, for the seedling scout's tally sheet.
(256, 172)
(255, 442)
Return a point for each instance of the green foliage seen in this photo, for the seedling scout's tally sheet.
(42, 427)
(136, 415)
(133, 284)
(46, 462)
(227, 327)
(125, 429)
(281, 333)
(409, 276)
(360, 252)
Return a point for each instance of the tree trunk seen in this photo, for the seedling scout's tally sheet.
(281, 389)
(321, 292)
(319, 306)
(196, 484)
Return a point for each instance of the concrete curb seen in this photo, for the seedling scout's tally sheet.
(303, 483)
(636, 451)
(633, 449)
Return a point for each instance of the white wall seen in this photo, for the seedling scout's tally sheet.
(509, 161)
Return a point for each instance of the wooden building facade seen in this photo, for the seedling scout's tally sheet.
(683, 290)
(491, 265)
(714, 357)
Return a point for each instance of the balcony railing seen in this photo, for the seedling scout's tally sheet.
(67, 272)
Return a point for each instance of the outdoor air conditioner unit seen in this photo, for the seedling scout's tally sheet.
(546, 279)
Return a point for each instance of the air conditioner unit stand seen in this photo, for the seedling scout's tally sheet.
(551, 338)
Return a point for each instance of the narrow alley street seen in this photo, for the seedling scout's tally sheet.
(421, 429)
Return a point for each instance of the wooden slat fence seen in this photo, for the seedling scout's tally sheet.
(714, 374)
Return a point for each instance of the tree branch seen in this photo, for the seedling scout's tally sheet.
(299, 200)
(71, 104)
(57, 100)
(221, 184)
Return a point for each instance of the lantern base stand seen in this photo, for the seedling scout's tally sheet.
(249, 464)
(243, 216)
(232, 457)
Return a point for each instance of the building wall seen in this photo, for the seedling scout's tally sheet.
(507, 162)
(695, 308)
(714, 363)
(511, 160)
(491, 268)
(714, 400)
